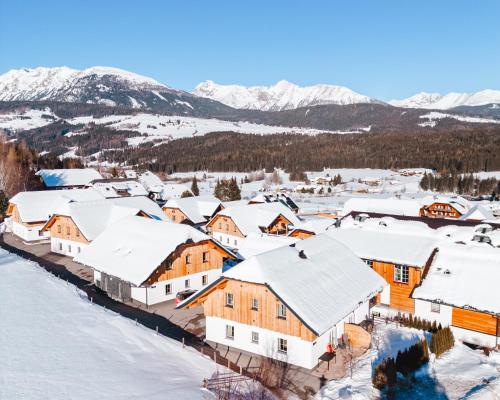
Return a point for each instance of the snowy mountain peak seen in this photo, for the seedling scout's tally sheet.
(450, 100)
(283, 95)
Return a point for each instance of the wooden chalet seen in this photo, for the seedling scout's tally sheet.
(461, 291)
(401, 259)
(194, 211)
(274, 305)
(74, 225)
(30, 211)
(152, 261)
(230, 225)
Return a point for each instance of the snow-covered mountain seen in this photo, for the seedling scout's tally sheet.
(281, 96)
(99, 85)
(450, 100)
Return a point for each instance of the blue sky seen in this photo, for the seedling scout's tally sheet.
(385, 49)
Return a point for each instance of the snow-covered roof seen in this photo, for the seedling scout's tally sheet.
(38, 206)
(256, 243)
(197, 208)
(464, 276)
(111, 188)
(173, 190)
(150, 181)
(68, 177)
(93, 217)
(134, 247)
(319, 279)
(393, 247)
(407, 207)
(478, 212)
(250, 218)
(315, 224)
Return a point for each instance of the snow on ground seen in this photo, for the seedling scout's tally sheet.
(55, 344)
(30, 119)
(155, 127)
(434, 116)
(458, 374)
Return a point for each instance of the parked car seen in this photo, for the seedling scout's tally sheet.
(181, 296)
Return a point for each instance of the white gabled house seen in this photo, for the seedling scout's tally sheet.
(151, 261)
(74, 225)
(30, 211)
(289, 303)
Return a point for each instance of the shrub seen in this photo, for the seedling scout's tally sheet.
(441, 341)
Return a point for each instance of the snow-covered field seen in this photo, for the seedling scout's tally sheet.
(154, 126)
(458, 374)
(55, 344)
(28, 119)
(434, 117)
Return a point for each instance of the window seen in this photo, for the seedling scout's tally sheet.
(255, 337)
(230, 332)
(220, 225)
(188, 259)
(168, 288)
(68, 230)
(205, 256)
(69, 248)
(60, 246)
(204, 280)
(282, 345)
(187, 283)
(229, 300)
(77, 232)
(227, 240)
(173, 218)
(255, 304)
(435, 307)
(401, 273)
(281, 311)
(235, 242)
(59, 229)
(79, 250)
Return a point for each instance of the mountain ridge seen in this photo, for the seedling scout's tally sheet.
(281, 96)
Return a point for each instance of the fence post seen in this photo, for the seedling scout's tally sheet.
(241, 370)
(136, 321)
(183, 345)
(228, 364)
(91, 300)
(157, 329)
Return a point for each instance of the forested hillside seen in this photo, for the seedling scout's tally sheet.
(460, 151)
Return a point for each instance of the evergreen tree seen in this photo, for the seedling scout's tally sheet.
(194, 187)
(186, 193)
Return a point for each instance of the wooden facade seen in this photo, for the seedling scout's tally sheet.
(301, 234)
(265, 316)
(223, 224)
(400, 292)
(189, 259)
(13, 213)
(475, 321)
(440, 210)
(63, 227)
(226, 225)
(176, 215)
(278, 226)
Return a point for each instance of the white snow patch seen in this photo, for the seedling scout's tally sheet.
(57, 345)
